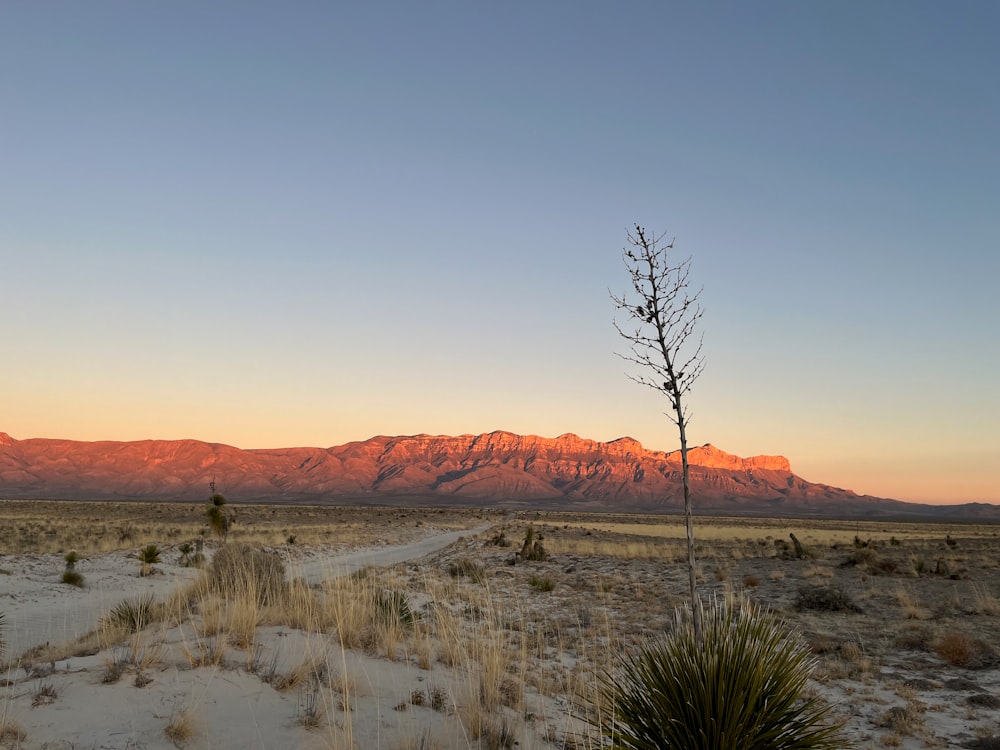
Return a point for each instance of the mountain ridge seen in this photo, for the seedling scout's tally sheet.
(496, 468)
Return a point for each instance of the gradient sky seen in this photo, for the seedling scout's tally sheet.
(277, 224)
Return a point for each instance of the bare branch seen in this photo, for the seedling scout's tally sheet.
(660, 317)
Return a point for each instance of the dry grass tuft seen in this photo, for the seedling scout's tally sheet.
(182, 728)
(249, 570)
(12, 734)
(962, 650)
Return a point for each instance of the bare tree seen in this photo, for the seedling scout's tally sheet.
(661, 318)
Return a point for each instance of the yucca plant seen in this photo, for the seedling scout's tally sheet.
(740, 685)
(393, 608)
(217, 518)
(131, 614)
(148, 557)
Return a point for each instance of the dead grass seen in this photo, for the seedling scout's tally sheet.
(182, 728)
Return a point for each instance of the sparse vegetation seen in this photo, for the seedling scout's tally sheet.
(520, 657)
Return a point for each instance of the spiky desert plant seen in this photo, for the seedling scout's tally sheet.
(740, 685)
(72, 577)
(217, 518)
(131, 615)
(148, 557)
(3, 643)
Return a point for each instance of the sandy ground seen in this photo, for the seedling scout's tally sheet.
(876, 665)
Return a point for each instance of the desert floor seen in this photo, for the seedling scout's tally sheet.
(417, 628)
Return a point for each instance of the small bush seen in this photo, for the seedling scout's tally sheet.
(532, 548)
(962, 650)
(44, 695)
(541, 583)
(741, 684)
(182, 727)
(466, 568)
(250, 570)
(131, 614)
(751, 581)
(148, 557)
(73, 578)
(825, 599)
(12, 734)
(393, 608)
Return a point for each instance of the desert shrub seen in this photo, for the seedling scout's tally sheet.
(148, 557)
(963, 650)
(541, 583)
(73, 578)
(71, 559)
(131, 614)
(244, 569)
(218, 521)
(393, 608)
(751, 581)
(865, 556)
(182, 727)
(3, 643)
(902, 719)
(12, 734)
(463, 567)
(741, 685)
(500, 539)
(532, 548)
(825, 599)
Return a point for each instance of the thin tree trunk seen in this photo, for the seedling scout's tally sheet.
(689, 526)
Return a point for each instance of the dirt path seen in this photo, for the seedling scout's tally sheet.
(39, 609)
(317, 570)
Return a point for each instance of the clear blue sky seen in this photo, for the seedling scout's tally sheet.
(275, 224)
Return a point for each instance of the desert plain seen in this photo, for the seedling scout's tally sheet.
(398, 628)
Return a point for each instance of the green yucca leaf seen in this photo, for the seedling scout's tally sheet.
(741, 686)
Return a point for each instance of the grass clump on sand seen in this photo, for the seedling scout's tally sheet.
(148, 557)
(131, 615)
(249, 570)
(741, 685)
(71, 575)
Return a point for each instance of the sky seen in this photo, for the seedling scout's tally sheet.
(308, 223)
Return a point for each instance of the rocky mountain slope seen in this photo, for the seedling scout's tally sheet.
(496, 469)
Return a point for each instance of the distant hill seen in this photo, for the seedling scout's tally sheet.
(493, 469)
